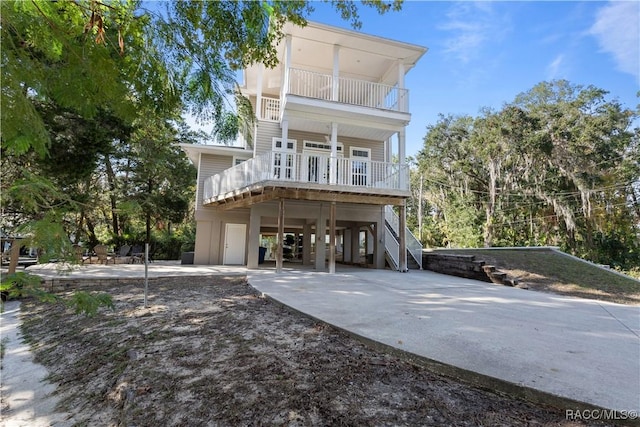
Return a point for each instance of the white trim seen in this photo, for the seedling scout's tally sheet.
(194, 150)
(315, 160)
(276, 139)
(283, 160)
(321, 147)
(353, 148)
(237, 241)
(360, 168)
(237, 160)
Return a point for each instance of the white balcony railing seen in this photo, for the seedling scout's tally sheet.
(348, 91)
(307, 169)
(270, 109)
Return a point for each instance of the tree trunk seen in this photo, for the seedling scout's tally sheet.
(491, 204)
(111, 179)
(91, 232)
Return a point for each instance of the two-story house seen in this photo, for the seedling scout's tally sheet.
(325, 178)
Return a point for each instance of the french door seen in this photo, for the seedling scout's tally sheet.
(316, 161)
(284, 159)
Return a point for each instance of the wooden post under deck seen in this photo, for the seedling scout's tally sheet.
(402, 255)
(280, 251)
(332, 238)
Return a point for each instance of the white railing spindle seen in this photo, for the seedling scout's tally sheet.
(307, 169)
(310, 84)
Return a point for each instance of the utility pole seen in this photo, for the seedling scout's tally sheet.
(420, 211)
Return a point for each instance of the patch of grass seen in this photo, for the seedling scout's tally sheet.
(547, 270)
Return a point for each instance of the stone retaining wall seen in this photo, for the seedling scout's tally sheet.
(465, 266)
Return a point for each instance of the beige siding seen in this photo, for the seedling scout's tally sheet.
(209, 166)
(377, 147)
(210, 229)
(266, 132)
(269, 130)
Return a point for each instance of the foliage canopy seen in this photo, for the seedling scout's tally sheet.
(560, 165)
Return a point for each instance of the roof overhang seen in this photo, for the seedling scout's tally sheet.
(193, 151)
(362, 56)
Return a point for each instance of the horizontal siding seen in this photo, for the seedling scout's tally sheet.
(266, 132)
(211, 165)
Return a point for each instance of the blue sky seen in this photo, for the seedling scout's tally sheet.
(483, 54)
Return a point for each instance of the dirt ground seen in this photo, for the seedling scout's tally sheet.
(210, 351)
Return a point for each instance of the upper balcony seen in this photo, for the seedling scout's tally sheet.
(332, 74)
(309, 177)
(348, 91)
(346, 97)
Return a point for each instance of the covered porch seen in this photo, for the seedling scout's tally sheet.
(320, 233)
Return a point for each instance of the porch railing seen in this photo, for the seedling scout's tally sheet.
(349, 91)
(307, 169)
(270, 109)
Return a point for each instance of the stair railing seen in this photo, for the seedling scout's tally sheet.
(393, 249)
(413, 244)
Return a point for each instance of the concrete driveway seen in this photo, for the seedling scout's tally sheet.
(577, 349)
(584, 350)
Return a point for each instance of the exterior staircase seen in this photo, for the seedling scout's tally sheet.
(392, 245)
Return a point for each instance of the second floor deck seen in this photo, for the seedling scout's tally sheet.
(319, 177)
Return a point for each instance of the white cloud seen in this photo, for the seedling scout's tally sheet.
(617, 28)
(473, 25)
(554, 68)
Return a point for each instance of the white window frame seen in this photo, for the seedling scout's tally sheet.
(359, 178)
(315, 163)
(276, 139)
(238, 160)
(286, 154)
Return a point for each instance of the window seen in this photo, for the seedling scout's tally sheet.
(291, 145)
(238, 160)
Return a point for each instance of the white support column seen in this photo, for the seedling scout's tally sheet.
(333, 161)
(285, 133)
(402, 101)
(280, 253)
(306, 244)
(332, 238)
(380, 243)
(402, 160)
(287, 67)
(402, 255)
(254, 238)
(321, 237)
(336, 73)
(355, 244)
(259, 93)
(346, 246)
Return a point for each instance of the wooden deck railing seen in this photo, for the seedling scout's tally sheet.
(307, 169)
